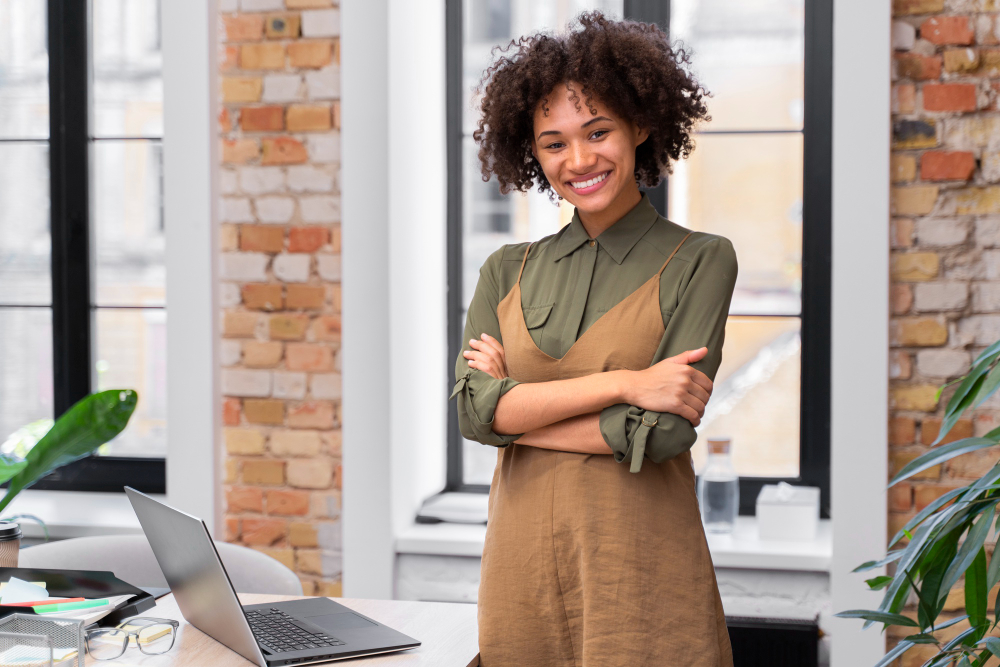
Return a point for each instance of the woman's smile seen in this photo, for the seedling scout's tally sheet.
(589, 183)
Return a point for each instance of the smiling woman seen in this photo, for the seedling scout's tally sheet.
(602, 339)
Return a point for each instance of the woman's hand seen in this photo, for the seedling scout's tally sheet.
(487, 355)
(672, 386)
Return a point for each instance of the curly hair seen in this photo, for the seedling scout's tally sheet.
(629, 66)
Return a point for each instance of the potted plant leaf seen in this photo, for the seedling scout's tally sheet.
(943, 542)
(89, 423)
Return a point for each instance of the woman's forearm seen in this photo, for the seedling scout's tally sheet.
(581, 434)
(532, 405)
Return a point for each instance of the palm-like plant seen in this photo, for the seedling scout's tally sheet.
(934, 555)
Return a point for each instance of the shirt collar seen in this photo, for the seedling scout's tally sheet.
(618, 239)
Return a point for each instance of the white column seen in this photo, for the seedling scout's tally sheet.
(191, 165)
(860, 340)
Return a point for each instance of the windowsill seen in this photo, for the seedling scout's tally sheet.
(75, 513)
(741, 549)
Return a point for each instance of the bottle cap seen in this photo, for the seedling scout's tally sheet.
(719, 445)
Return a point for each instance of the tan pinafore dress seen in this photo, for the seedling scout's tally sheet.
(585, 563)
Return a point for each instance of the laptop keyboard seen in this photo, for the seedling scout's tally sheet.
(277, 632)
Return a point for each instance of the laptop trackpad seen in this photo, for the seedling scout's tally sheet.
(343, 621)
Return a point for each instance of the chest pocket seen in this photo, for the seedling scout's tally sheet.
(536, 316)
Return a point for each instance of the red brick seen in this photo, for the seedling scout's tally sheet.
(305, 297)
(311, 414)
(244, 499)
(230, 58)
(948, 30)
(931, 426)
(264, 471)
(307, 239)
(947, 165)
(917, 67)
(925, 494)
(231, 411)
(262, 238)
(263, 531)
(239, 151)
(310, 54)
(262, 119)
(949, 97)
(243, 27)
(264, 411)
(263, 296)
(326, 328)
(900, 498)
(902, 431)
(335, 113)
(287, 502)
(283, 150)
(288, 327)
(225, 122)
(232, 529)
(308, 357)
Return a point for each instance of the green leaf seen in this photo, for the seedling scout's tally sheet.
(968, 551)
(961, 400)
(879, 582)
(872, 564)
(992, 644)
(989, 386)
(89, 423)
(932, 569)
(976, 592)
(958, 639)
(993, 574)
(992, 351)
(940, 455)
(10, 466)
(878, 617)
(919, 518)
(899, 649)
(950, 622)
(922, 638)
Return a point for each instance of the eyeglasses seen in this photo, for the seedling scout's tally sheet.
(153, 636)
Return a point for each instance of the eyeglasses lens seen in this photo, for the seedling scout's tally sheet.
(106, 644)
(154, 639)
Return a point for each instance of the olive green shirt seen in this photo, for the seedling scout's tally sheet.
(569, 282)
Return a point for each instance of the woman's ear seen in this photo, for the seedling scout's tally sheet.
(641, 135)
(534, 150)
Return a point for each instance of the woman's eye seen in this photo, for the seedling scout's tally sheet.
(598, 133)
(556, 144)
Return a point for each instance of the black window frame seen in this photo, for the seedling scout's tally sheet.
(814, 418)
(72, 308)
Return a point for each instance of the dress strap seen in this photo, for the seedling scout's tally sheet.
(671, 254)
(523, 261)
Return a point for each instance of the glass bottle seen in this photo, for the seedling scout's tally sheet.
(719, 488)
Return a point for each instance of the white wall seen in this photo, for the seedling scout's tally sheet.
(393, 197)
(860, 394)
(191, 166)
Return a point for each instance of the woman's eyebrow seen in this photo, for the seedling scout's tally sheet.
(592, 120)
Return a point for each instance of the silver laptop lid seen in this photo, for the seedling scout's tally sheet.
(184, 549)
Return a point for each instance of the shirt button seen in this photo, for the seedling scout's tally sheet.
(592, 242)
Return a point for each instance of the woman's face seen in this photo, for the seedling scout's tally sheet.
(589, 159)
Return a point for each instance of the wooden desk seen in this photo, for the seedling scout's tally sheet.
(449, 633)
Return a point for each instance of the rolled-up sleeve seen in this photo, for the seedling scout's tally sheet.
(477, 392)
(698, 320)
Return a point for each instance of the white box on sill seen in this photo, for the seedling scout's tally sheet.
(786, 512)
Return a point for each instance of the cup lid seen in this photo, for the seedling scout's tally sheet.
(718, 445)
(9, 531)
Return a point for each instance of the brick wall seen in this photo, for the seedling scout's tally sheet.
(945, 298)
(280, 269)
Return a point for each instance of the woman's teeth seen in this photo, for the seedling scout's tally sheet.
(586, 184)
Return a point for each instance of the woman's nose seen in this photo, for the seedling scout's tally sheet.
(581, 158)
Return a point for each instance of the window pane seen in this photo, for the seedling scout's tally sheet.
(488, 23)
(25, 367)
(749, 55)
(755, 398)
(25, 246)
(128, 69)
(129, 266)
(24, 69)
(748, 188)
(132, 354)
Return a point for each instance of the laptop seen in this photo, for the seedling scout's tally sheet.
(296, 632)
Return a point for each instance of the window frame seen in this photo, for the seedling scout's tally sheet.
(72, 308)
(815, 314)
